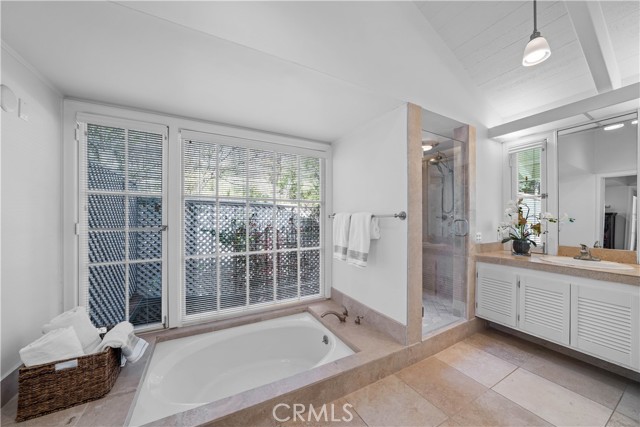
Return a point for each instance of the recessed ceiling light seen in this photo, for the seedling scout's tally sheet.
(428, 145)
(635, 122)
(614, 126)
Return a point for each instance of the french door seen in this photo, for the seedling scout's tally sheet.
(122, 217)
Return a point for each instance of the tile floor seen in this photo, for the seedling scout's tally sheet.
(438, 312)
(493, 379)
(489, 379)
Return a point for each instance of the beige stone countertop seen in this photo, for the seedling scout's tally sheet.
(630, 277)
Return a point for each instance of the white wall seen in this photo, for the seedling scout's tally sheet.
(370, 175)
(488, 209)
(31, 211)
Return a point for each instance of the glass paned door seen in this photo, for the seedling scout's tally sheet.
(122, 232)
(445, 230)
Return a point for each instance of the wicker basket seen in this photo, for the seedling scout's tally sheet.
(42, 389)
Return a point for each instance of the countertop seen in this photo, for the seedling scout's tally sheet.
(630, 277)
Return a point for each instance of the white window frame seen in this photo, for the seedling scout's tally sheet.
(72, 107)
(510, 186)
(186, 134)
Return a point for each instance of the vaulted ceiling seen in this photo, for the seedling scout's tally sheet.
(488, 39)
(319, 69)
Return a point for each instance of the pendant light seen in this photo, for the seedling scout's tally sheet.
(537, 49)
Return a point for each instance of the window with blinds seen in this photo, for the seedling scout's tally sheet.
(251, 227)
(528, 182)
(121, 210)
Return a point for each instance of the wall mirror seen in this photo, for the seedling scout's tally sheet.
(598, 183)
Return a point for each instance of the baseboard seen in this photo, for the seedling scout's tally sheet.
(9, 387)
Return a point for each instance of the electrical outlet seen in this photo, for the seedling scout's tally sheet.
(478, 237)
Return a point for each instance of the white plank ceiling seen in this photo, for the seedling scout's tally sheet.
(488, 38)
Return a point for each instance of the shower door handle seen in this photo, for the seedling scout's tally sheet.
(460, 231)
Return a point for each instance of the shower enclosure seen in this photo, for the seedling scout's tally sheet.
(444, 222)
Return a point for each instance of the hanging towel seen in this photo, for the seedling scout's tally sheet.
(59, 344)
(360, 235)
(374, 229)
(122, 336)
(79, 320)
(341, 223)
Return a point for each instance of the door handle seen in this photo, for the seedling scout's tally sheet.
(460, 231)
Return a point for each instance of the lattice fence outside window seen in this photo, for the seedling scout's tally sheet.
(251, 227)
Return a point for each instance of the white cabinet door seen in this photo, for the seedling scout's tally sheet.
(545, 307)
(605, 322)
(496, 294)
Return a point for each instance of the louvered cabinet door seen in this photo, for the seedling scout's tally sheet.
(496, 295)
(605, 322)
(544, 308)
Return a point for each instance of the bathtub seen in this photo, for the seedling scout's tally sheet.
(188, 372)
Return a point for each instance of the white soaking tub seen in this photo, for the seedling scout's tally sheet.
(191, 371)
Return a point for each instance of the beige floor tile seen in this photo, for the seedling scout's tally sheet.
(391, 402)
(444, 386)
(67, 417)
(492, 409)
(336, 414)
(619, 420)
(552, 402)
(483, 367)
(508, 348)
(591, 382)
(630, 403)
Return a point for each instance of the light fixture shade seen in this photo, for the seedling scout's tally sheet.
(537, 51)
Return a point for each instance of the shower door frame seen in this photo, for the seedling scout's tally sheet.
(466, 134)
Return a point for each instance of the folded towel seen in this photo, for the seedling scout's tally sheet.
(341, 223)
(122, 336)
(360, 238)
(78, 318)
(58, 344)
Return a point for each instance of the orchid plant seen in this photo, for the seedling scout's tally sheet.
(520, 223)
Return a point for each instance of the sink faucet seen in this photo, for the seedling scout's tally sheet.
(585, 254)
(341, 317)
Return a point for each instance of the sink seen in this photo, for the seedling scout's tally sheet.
(572, 262)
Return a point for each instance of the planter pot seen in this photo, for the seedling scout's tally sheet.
(521, 247)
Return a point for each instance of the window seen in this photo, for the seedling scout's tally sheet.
(251, 226)
(121, 211)
(528, 181)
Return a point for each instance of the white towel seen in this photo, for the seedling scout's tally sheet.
(59, 344)
(360, 235)
(78, 318)
(122, 336)
(341, 223)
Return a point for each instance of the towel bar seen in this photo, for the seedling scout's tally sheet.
(402, 215)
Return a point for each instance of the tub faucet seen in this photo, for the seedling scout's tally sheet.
(341, 317)
(585, 254)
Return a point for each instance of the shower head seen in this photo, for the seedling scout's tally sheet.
(440, 160)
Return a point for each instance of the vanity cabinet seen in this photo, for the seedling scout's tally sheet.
(496, 297)
(606, 323)
(544, 307)
(594, 317)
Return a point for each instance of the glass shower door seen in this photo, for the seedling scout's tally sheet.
(445, 229)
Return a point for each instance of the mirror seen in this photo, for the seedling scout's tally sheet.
(598, 183)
